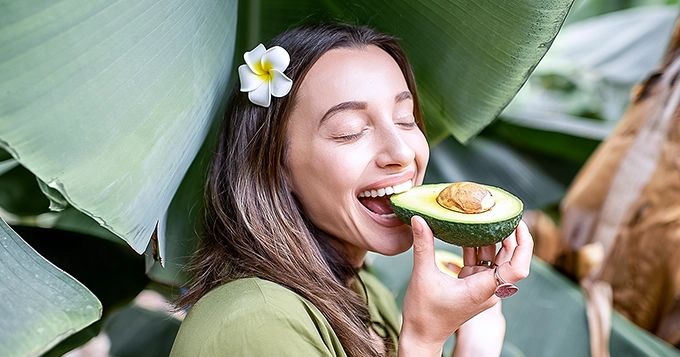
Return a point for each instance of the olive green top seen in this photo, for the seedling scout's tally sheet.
(256, 317)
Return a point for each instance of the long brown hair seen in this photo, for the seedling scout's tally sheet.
(254, 226)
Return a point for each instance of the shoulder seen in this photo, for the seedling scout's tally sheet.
(249, 294)
(253, 316)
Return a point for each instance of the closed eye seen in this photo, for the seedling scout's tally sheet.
(349, 137)
(411, 124)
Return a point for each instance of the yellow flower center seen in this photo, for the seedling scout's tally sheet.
(262, 70)
(266, 66)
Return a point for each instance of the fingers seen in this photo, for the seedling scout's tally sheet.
(521, 256)
(473, 257)
(486, 253)
(507, 249)
(525, 246)
(470, 256)
(423, 247)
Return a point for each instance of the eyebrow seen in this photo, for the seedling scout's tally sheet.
(354, 105)
(342, 106)
(403, 96)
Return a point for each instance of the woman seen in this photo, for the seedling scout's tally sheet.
(290, 217)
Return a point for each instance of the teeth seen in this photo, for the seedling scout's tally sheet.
(390, 215)
(389, 190)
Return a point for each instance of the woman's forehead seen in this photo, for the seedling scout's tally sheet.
(351, 74)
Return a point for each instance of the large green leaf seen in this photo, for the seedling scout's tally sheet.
(41, 305)
(184, 220)
(108, 102)
(469, 57)
(109, 269)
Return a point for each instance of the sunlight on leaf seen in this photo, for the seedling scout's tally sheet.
(109, 102)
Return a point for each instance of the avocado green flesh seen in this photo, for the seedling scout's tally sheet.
(466, 230)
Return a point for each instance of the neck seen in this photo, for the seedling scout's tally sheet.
(354, 255)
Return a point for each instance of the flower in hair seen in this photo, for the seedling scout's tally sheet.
(262, 75)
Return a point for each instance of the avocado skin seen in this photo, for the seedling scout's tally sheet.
(463, 234)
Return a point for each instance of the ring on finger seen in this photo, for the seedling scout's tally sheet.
(485, 263)
(503, 288)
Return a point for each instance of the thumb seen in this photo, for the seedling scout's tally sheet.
(423, 246)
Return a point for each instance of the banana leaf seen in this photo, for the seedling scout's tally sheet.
(108, 102)
(41, 304)
(109, 269)
(469, 57)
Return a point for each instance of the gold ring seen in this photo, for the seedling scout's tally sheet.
(485, 263)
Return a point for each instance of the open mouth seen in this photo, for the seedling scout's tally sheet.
(378, 200)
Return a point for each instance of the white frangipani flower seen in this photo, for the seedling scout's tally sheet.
(262, 75)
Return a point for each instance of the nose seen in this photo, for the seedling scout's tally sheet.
(394, 149)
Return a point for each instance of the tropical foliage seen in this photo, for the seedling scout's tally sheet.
(106, 110)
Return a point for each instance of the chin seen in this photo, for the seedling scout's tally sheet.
(397, 244)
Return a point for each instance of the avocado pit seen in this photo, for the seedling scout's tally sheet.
(466, 197)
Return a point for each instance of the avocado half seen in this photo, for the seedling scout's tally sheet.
(461, 229)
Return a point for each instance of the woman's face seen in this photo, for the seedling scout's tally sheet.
(352, 135)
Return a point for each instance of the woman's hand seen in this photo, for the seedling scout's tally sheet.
(436, 304)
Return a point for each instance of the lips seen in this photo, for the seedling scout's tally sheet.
(378, 200)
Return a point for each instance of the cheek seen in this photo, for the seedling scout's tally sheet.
(317, 173)
(322, 183)
(422, 150)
